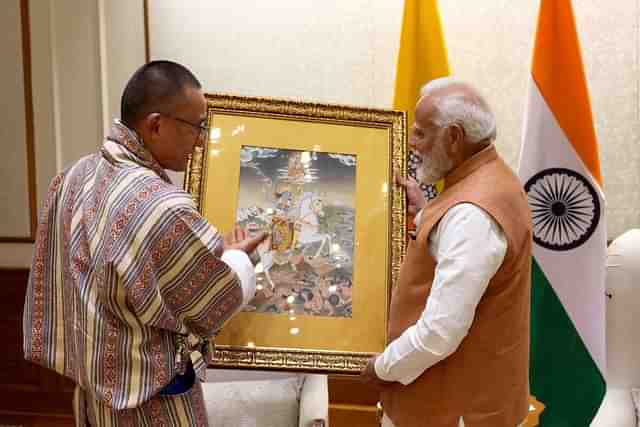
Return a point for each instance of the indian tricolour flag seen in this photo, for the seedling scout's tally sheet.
(560, 169)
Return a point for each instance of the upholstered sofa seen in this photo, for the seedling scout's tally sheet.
(243, 398)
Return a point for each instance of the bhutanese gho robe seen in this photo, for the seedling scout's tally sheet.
(124, 285)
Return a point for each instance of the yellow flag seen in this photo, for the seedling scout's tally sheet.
(423, 54)
(422, 57)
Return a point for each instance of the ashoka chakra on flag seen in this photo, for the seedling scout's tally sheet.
(565, 208)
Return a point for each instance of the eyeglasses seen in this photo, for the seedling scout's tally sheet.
(202, 128)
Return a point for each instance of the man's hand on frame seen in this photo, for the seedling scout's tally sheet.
(369, 377)
(239, 239)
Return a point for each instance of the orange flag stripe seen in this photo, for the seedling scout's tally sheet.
(559, 73)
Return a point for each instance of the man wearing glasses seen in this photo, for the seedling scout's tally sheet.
(129, 282)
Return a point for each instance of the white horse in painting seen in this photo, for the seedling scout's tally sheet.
(308, 223)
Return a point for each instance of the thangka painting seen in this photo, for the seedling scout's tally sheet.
(306, 201)
(319, 179)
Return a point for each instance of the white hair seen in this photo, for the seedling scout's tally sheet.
(475, 117)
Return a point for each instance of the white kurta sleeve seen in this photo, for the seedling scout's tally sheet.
(468, 246)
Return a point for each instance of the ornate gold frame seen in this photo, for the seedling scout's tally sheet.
(394, 122)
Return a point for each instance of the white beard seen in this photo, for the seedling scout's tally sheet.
(435, 166)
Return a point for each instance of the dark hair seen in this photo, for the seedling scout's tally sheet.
(156, 84)
(334, 299)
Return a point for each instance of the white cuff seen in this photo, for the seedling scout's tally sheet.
(406, 379)
(240, 263)
(417, 220)
(379, 368)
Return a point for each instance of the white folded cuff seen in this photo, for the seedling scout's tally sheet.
(240, 263)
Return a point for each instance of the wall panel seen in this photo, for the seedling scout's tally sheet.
(17, 165)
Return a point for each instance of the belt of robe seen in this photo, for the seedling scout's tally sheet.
(181, 383)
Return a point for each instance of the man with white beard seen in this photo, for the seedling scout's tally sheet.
(459, 315)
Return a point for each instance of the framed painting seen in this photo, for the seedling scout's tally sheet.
(319, 179)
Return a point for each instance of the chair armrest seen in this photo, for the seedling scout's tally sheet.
(617, 410)
(314, 401)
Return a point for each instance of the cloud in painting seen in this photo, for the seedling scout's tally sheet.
(345, 159)
(247, 154)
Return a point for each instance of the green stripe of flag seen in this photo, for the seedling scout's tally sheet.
(563, 375)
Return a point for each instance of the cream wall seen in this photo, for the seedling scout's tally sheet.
(82, 53)
(331, 51)
(345, 51)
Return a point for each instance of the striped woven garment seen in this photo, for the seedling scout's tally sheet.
(124, 285)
